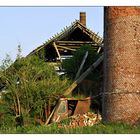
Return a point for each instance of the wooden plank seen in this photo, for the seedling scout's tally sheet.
(82, 64)
(66, 48)
(57, 51)
(75, 42)
(73, 48)
(83, 76)
(60, 49)
(76, 45)
(99, 49)
(48, 120)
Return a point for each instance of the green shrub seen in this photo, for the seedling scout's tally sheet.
(30, 83)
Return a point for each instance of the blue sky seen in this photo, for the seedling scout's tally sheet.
(31, 26)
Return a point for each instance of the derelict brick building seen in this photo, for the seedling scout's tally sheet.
(121, 98)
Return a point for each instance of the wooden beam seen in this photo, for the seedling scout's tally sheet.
(55, 46)
(83, 76)
(60, 49)
(82, 64)
(48, 120)
(99, 49)
(74, 42)
(73, 48)
(65, 43)
(66, 48)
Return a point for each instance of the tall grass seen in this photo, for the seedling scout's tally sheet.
(110, 128)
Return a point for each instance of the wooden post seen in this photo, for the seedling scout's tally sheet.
(49, 118)
(47, 109)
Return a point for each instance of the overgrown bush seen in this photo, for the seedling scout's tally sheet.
(30, 83)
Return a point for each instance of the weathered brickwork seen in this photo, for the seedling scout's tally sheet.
(122, 11)
(122, 107)
(121, 99)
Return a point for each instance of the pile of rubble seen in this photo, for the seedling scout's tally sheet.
(87, 119)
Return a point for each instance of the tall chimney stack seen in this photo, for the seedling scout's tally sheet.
(83, 18)
(121, 97)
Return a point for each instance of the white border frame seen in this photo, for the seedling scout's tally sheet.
(69, 2)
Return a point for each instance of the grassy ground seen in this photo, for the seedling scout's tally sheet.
(53, 129)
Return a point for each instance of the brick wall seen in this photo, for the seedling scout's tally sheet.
(121, 99)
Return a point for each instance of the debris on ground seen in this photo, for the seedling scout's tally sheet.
(87, 119)
(67, 107)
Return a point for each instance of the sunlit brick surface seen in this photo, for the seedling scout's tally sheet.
(121, 99)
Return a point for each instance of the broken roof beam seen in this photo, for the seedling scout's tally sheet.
(67, 32)
(79, 42)
(55, 46)
(75, 43)
(82, 64)
(99, 49)
(76, 47)
(65, 48)
(83, 76)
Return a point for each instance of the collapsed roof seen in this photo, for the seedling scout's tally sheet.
(69, 40)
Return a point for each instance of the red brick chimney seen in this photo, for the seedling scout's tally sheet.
(121, 98)
(83, 18)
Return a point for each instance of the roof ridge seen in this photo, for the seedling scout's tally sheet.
(66, 29)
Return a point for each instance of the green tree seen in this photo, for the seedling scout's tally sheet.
(19, 49)
(30, 84)
(6, 62)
